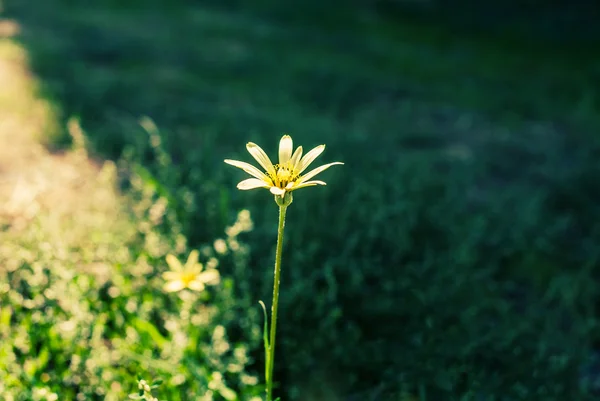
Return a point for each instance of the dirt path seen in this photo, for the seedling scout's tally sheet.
(66, 195)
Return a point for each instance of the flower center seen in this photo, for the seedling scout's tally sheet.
(188, 277)
(284, 175)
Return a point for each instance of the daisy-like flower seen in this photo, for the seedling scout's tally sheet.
(189, 275)
(285, 176)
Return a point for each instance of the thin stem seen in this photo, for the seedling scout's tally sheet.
(275, 304)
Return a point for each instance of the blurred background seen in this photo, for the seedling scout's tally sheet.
(455, 255)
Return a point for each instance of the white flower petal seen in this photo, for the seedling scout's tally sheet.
(316, 171)
(174, 263)
(196, 285)
(309, 184)
(261, 157)
(252, 183)
(277, 191)
(209, 277)
(171, 276)
(310, 157)
(286, 145)
(192, 259)
(295, 160)
(248, 168)
(172, 286)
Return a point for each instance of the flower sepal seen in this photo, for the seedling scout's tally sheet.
(284, 200)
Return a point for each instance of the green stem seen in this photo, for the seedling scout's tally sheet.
(275, 304)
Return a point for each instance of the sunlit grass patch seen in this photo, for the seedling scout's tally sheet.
(81, 301)
(84, 303)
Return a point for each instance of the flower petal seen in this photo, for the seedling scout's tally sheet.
(172, 286)
(308, 184)
(192, 260)
(277, 191)
(252, 183)
(248, 168)
(209, 277)
(171, 276)
(310, 157)
(316, 171)
(196, 285)
(174, 263)
(295, 160)
(261, 157)
(286, 145)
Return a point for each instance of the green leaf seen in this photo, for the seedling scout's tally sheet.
(144, 327)
(5, 316)
(43, 358)
(266, 339)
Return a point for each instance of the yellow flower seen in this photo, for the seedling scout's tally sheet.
(285, 176)
(189, 275)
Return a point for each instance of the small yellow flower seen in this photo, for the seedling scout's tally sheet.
(285, 176)
(189, 275)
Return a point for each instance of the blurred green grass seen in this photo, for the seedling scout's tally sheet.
(460, 235)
